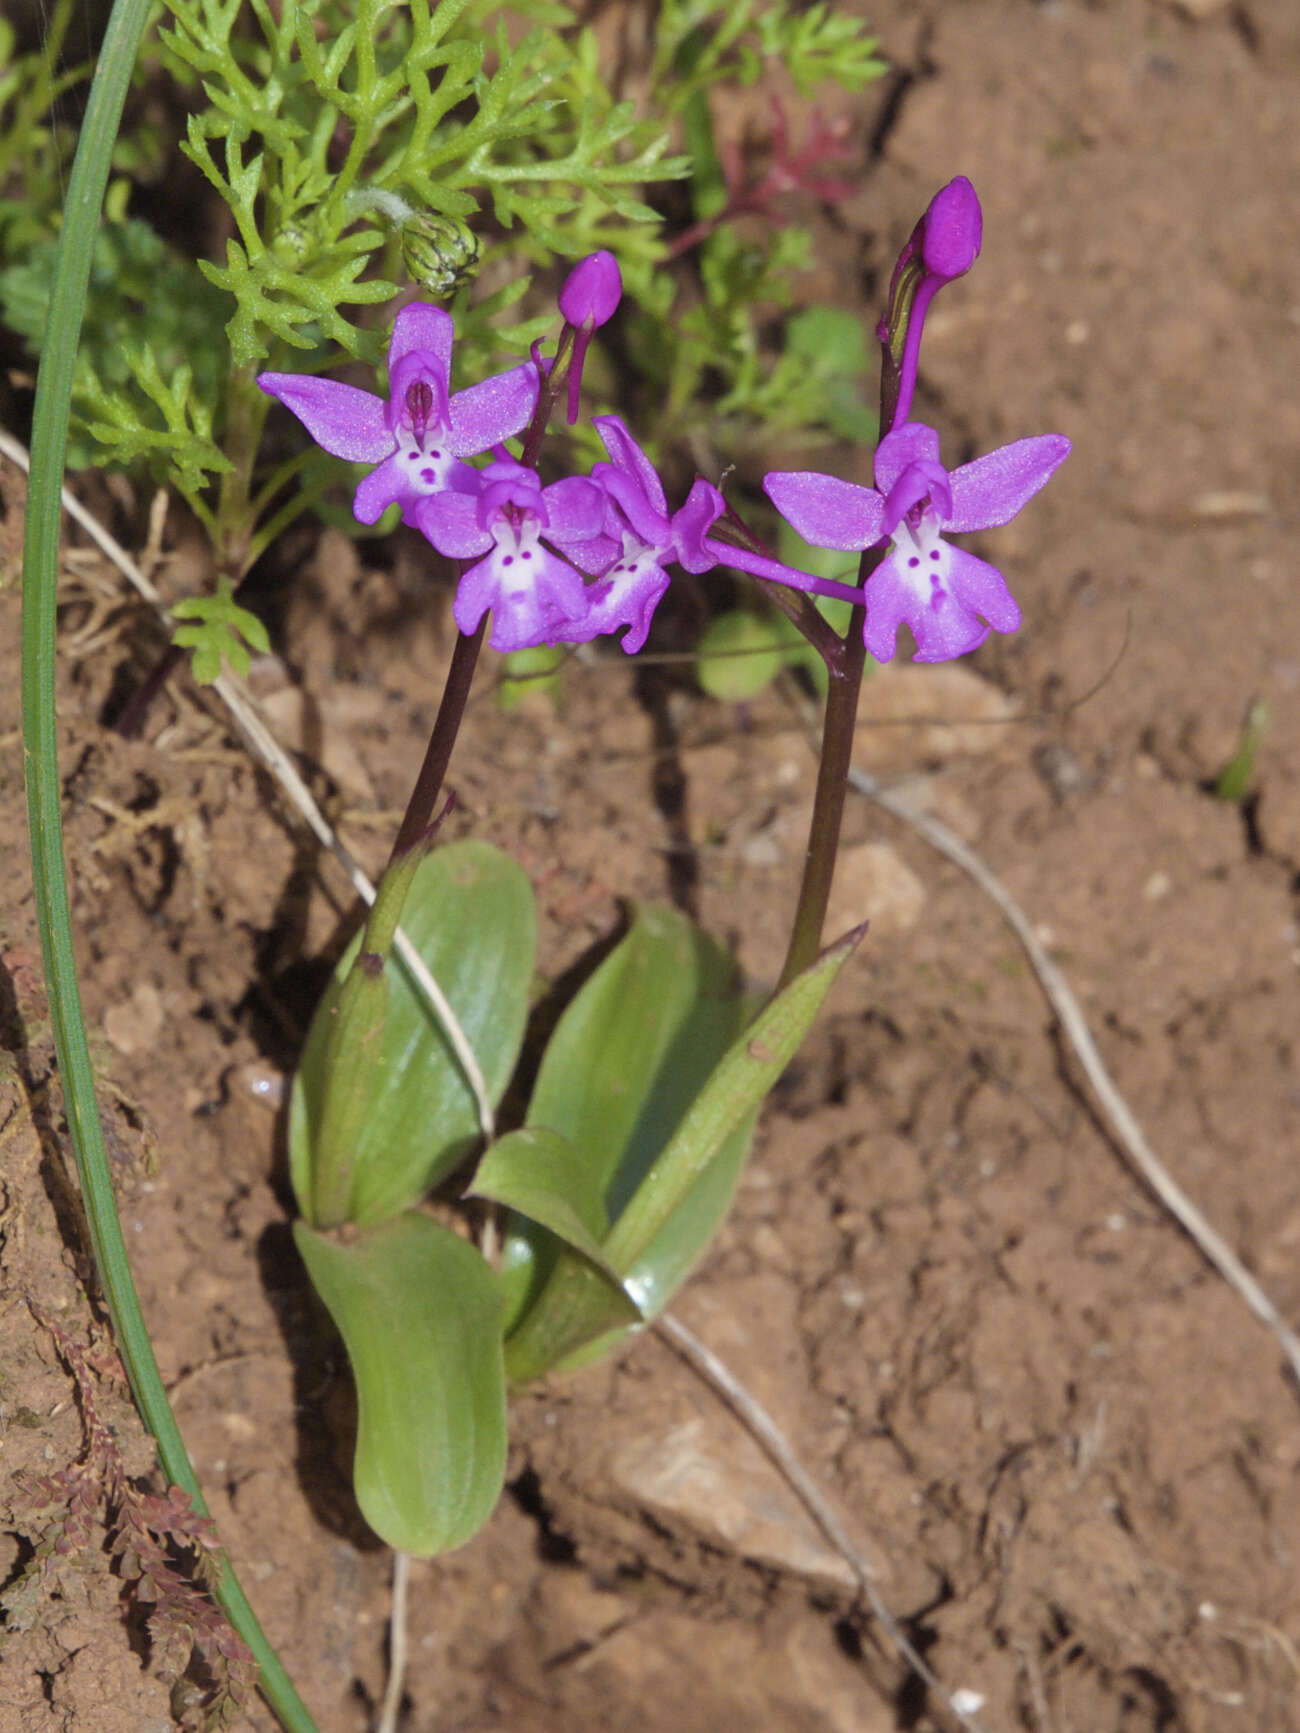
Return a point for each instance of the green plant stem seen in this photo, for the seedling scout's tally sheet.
(40, 740)
(246, 412)
(828, 802)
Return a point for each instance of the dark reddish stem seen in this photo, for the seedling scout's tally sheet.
(419, 817)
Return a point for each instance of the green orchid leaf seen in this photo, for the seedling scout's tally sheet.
(581, 1314)
(419, 1312)
(625, 1062)
(720, 1110)
(636, 1043)
(621, 1066)
(542, 1176)
(469, 913)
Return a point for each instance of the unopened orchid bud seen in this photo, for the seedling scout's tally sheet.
(592, 290)
(951, 230)
(943, 245)
(591, 293)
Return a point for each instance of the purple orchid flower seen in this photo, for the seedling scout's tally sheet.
(949, 598)
(418, 437)
(639, 538)
(501, 511)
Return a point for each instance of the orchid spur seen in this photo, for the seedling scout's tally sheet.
(950, 599)
(418, 437)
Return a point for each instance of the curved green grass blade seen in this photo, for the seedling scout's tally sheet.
(40, 740)
(419, 1312)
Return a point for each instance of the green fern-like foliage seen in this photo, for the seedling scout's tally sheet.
(153, 361)
(361, 148)
(330, 136)
(221, 634)
(701, 43)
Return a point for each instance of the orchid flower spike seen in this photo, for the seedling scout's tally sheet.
(418, 437)
(591, 294)
(943, 246)
(949, 598)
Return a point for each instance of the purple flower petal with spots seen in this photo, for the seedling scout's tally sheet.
(534, 595)
(418, 436)
(948, 598)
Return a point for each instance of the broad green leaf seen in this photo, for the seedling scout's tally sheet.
(617, 1073)
(721, 1108)
(581, 1313)
(543, 1177)
(540, 1174)
(623, 1067)
(419, 1312)
(470, 915)
(633, 1047)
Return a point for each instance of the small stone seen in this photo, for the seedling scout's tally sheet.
(873, 884)
(135, 1027)
(725, 1490)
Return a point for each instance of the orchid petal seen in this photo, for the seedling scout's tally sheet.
(650, 524)
(450, 521)
(953, 228)
(491, 411)
(981, 588)
(576, 509)
(594, 554)
(378, 490)
(592, 290)
(342, 419)
(922, 481)
(627, 596)
(825, 511)
(941, 626)
(911, 443)
(625, 454)
(534, 604)
(422, 327)
(416, 368)
(704, 506)
(990, 491)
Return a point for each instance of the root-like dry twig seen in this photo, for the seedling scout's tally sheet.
(1117, 1112)
(263, 744)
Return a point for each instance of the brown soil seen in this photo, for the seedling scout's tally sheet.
(1072, 1454)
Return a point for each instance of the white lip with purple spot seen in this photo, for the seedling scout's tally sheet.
(427, 471)
(921, 558)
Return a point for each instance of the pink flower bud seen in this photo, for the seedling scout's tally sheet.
(592, 290)
(952, 229)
